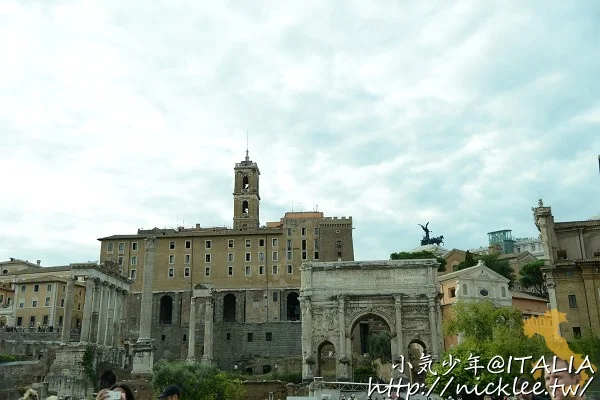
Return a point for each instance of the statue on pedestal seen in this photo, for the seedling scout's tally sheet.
(430, 240)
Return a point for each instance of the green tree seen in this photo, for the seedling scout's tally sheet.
(196, 381)
(379, 346)
(468, 262)
(420, 255)
(588, 344)
(532, 276)
(488, 333)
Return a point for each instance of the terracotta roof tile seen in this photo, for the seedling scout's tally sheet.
(576, 224)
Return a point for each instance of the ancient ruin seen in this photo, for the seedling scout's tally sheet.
(337, 297)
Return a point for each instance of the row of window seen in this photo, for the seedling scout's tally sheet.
(230, 243)
(230, 270)
(250, 336)
(231, 257)
(36, 288)
(302, 231)
(34, 303)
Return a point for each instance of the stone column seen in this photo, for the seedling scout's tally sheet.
(342, 364)
(68, 310)
(87, 310)
(435, 352)
(207, 357)
(103, 313)
(400, 350)
(192, 332)
(116, 342)
(551, 285)
(147, 295)
(307, 369)
(110, 315)
(95, 311)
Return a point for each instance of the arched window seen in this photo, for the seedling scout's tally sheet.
(229, 308)
(245, 183)
(245, 207)
(166, 310)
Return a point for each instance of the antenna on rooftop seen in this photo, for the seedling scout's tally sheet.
(247, 158)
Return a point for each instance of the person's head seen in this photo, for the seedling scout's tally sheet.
(524, 385)
(107, 379)
(564, 378)
(126, 392)
(170, 393)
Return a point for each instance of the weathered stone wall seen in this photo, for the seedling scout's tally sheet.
(232, 345)
(21, 373)
(171, 340)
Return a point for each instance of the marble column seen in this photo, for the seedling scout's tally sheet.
(307, 369)
(435, 352)
(342, 365)
(191, 357)
(551, 285)
(400, 350)
(103, 313)
(95, 311)
(207, 357)
(147, 292)
(87, 310)
(110, 315)
(116, 342)
(68, 310)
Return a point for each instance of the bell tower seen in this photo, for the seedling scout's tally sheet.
(246, 198)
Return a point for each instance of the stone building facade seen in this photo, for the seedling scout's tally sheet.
(340, 302)
(572, 270)
(253, 271)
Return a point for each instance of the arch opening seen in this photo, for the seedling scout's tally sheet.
(245, 207)
(229, 308)
(293, 307)
(245, 183)
(166, 310)
(416, 351)
(371, 336)
(326, 364)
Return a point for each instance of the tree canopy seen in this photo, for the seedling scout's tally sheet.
(493, 262)
(488, 332)
(531, 276)
(420, 255)
(196, 381)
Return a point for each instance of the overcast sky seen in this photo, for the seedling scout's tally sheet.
(119, 115)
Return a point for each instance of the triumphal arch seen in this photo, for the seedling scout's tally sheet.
(341, 301)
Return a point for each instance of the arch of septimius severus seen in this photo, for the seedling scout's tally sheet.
(336, 296)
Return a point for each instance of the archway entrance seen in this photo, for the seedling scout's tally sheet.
(416, 350)
(229, 306)
(293, 307)
(371, 345)
(2, 322)
(166, 310)
(326, 360)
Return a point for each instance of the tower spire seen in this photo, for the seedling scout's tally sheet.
(247, 158)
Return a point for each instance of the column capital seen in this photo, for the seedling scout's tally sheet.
(104, 283)
(71, 279)
(398, 298)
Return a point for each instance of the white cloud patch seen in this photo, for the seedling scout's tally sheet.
(121, 115)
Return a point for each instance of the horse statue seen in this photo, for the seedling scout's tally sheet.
(437, 240)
